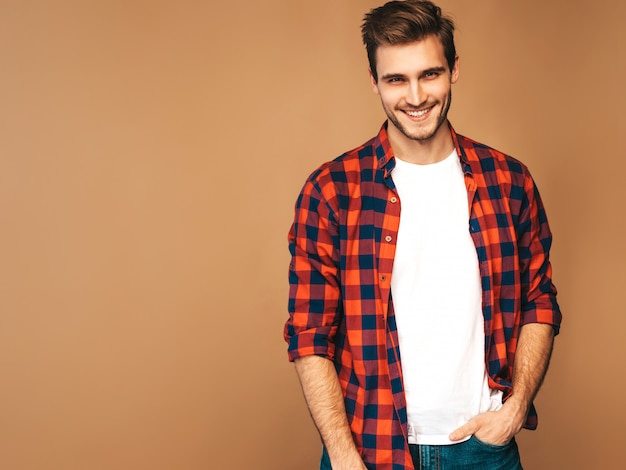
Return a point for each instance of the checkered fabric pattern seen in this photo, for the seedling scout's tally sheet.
(342, 244)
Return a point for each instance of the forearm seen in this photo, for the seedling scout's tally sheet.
(324, 398)
(534, 348)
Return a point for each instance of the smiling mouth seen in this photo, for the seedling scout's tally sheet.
(420, 113)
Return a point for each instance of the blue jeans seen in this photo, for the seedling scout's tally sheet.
(472, 454)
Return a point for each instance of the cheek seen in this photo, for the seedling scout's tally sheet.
(391, 96)
(442, 92)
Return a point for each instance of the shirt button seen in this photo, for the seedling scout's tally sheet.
(383, 278)
(388, 238)
(394, 199)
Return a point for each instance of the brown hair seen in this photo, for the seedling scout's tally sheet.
(402, 22)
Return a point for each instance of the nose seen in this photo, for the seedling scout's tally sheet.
(414, 93)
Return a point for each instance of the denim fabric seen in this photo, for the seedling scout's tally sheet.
(472, 454)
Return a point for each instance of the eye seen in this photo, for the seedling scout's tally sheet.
(431, 74)
(394, 80)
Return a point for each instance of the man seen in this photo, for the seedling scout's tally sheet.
(422, 311)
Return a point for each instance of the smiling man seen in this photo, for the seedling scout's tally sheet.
(422, 311)
(414, 82)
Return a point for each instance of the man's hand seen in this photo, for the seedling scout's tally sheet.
(534, 348)
(493, 427)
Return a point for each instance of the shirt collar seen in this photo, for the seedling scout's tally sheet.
(383, 150)
(386, 158)
(459, 149)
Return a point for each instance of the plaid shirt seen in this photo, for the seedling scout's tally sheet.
(342, 244)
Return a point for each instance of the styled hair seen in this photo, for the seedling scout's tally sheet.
(403, 22)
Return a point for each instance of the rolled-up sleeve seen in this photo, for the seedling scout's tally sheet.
(314, 285)
(538, 300)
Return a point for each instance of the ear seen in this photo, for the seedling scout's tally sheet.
(373, 82)
(454, 76)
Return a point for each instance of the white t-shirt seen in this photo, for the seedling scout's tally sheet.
(436, 294)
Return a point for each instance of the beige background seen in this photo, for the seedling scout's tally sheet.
(150, 156)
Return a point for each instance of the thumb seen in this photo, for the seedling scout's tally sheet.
(464, 431)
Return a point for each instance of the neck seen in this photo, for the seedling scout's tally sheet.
(421, 152)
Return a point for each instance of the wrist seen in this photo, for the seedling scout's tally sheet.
(347, 459)
(517, 409)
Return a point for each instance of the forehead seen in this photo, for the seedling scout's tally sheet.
(411, 57)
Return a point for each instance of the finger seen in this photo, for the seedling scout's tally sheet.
(464, 431)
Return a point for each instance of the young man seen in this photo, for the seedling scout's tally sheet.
(422, 311)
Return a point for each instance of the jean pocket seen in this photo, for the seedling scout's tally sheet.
(488, 445)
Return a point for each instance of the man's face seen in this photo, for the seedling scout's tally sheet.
(414, 85)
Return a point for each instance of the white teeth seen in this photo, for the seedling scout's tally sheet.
(417, 113)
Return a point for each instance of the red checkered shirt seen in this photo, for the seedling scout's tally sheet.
(343, 243)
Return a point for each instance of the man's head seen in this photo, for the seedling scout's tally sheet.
(403, 22)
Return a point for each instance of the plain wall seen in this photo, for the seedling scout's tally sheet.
(150, 156)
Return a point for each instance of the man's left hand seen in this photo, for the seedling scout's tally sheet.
(493, 427)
